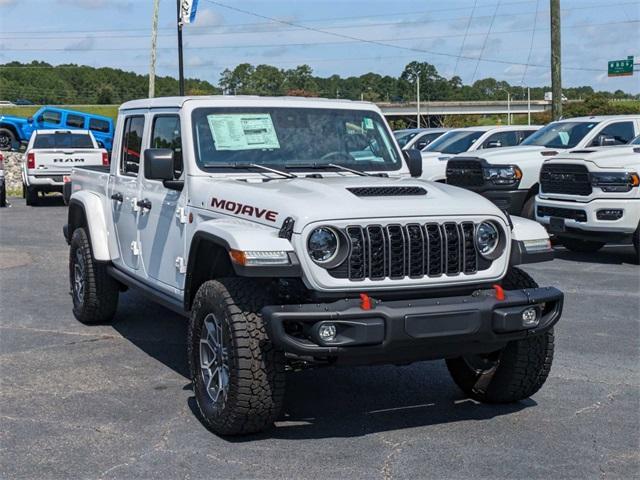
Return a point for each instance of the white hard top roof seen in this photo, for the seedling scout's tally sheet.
(61, 130)
(244, 101)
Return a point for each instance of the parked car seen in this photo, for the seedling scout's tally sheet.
(23, 101)
(436, 154)
(417, 138)
(17, 129)
(51, 154)
(252, 217)
(509, 176)
(589, 198)
(3, 186)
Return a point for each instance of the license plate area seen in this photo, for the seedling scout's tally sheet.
(556, 225)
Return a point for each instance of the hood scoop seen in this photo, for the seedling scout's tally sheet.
(387, 191)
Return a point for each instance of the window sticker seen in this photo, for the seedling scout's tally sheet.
(564, 137)
(243, 131)
(367, 123)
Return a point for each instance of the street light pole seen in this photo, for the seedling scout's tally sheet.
(180, 65)
(154, 44)
(508, 108)
(528, 106)
(418, 100)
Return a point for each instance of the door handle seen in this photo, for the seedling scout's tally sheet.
(117, 197)
(144, 204)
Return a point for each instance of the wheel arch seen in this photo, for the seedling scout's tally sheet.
(95, 224)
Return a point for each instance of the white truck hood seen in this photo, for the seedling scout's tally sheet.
(309, 200)
(513, 155)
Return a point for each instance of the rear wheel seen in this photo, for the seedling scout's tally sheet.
(32, 196)
(94, 292)
(237, 373)
(514, 373)
(3, 195)
(528, 209)
(636, 243)
(582, 246)
(6, 139)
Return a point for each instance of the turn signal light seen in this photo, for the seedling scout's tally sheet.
(31, 160)
(105, 159)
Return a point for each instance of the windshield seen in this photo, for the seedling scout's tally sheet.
(635, 141)
(293, 138)
(454, 142)
(560, 134)
(62, 140)
(403, 137)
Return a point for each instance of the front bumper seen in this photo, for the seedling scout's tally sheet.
(403, 331)
(511, 201)
(586, 224)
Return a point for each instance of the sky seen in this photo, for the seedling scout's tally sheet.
(507, 40)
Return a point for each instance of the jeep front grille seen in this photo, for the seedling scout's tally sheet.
(565, 178)
(413, 250)
(465, 173)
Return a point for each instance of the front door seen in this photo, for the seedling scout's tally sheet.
(162, 227)
(124, 191)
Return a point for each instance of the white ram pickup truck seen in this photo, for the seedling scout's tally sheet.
(592, 197)
(470, 139)
(294, 232)
(51, 154)
(509, 176)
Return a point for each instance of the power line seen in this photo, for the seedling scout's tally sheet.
(533, 34)
(484, 44)
(464, 39)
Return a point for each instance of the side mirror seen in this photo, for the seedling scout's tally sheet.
(493, 144)
(158, 164)
(605, 141)
(100, 144)
(30, 120)
(414, 162)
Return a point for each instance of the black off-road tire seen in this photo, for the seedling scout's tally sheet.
(528, 209)
(6, 139)
(3, 196)
(581, 246)
(32, 196)
(99, 299)
(256, 369)
(522, 365)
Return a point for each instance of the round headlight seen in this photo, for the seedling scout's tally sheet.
(487, 238)
(323, 245)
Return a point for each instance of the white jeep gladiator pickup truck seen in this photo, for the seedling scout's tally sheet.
(592, 197)
(509, 176)
(292, 233)
(470, 139)
(51, 154)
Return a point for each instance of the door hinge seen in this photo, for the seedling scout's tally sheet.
(181, 215)
(181, 265)
(135, 248)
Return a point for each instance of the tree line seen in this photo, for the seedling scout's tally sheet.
(42, 83)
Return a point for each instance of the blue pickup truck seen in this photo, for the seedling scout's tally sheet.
(17, 129)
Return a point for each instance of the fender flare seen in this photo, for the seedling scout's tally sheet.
(95, 222)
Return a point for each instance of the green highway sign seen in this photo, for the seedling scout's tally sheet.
(621, 68)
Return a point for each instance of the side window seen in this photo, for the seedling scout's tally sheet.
(523, 135)
(501, 139)
(422, 142)
(620, 132)
(50, 116)
(98, 125)
(131, 145)
(166, 134)
(76, 121)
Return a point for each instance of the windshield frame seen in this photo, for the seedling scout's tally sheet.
(453, 133)
(298, 165)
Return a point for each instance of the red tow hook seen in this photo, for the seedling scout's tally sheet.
(365, 301)
(499, 292)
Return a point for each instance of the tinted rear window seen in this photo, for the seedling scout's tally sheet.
(62, 140)
(99, 125)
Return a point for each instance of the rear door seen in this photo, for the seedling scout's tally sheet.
(124, 188)
(162, 228)
(49, 119)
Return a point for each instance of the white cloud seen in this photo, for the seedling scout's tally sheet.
(85, 43)
(209, 18)
(7, 3)
(97, 4)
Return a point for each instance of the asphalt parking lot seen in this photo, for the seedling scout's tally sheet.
(115, 401)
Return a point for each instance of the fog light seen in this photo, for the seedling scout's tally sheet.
(609, 214)
(327, 332)
(530, 318)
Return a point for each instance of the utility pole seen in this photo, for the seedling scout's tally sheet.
(154, 44)
(180, 66)
(508, 108)
(528, 106)
(556, 62)
(418, 100)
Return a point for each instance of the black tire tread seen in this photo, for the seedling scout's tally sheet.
(257, 383)
(524, 364)
(32, 196)
(101, 290)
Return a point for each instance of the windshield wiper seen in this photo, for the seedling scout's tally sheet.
(245, 166)
(320, 166)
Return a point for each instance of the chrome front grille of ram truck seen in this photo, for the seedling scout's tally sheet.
(414, 250)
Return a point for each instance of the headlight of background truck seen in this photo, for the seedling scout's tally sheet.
(615, 181)
(507, 175)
